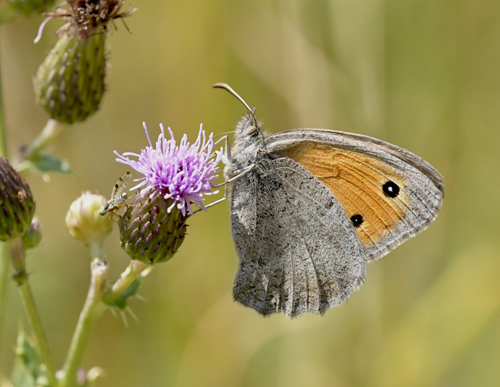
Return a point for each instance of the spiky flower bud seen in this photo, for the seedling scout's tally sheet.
(84, 222)
(69, 84)
(149, 232)
(32, 236)
(27, 7)
(17, 206)
(175, 178)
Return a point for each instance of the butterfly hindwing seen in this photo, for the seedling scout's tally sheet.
(298, 250)
(388, 193)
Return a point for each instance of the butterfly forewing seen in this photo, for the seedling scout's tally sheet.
(388, 193)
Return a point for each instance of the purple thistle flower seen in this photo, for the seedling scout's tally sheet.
(183, 173)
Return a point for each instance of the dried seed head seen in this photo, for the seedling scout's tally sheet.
(88, 17)
(17, 206)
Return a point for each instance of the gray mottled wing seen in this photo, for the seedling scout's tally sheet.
(298, 250)
(355, 169)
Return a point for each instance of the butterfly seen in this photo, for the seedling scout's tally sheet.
(311, 207)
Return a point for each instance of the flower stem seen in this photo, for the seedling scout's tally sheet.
(48, 134)
(126, 279)
(4, 253)
(91, 312)
(17, 256)
(4, 281)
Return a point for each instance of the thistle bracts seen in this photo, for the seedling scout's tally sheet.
(33, 235)
(28, 7)
(152, 228)
(69, 84)
(17, 206)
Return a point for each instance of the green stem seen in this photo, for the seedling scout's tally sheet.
(126, 279)
(4, 281)
(4, 253)
(17, 255)
(48, 134)
(3, 136)
(92, 310)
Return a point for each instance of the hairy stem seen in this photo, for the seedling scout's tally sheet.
(91, 312)
(17, 256)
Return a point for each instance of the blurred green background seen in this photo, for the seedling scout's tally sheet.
(424, 75)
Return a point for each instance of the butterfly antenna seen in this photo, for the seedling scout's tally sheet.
(225, 86)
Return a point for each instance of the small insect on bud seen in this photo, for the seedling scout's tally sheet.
(175, 177)
(28, 7)
(118, 197)
(16, 203)
(84, 222)
(32, 236)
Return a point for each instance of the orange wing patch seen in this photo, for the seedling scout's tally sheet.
(357, 181)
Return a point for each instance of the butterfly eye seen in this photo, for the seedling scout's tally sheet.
(356, 220)
(391, 189)
(251, 129)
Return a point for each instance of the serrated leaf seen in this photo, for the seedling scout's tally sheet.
(48, 163)
(121, 300)
(28, 370)
(28, 355)
(21, 376)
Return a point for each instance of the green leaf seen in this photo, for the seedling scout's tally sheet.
(21, 377)
(121, 300)
(48, 163)
(28, 369)
(27, 353)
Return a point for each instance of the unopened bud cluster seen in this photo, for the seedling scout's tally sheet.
(17, 206)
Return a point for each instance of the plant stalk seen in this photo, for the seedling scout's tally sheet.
(48, 134)
(92, 310)
(4, 252)
(17, 255)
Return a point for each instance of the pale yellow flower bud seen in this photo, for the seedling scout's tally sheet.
(84, 222)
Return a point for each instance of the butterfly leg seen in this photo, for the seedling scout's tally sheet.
(238, 176)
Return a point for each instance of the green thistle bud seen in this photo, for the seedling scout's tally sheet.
(152, 229)
(69, 84)
(16, 203)
(27, 7)
(32, 236)
(84, 222)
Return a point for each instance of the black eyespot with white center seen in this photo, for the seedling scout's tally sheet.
(356, 220)
(390, 189)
